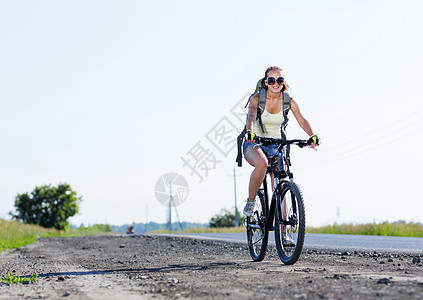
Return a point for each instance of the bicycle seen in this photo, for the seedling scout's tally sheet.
(286, 213)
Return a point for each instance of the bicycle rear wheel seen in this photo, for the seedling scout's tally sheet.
(257, 233)
(289, 222)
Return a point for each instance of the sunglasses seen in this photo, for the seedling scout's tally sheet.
(273, 80)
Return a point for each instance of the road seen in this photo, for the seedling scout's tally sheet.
(335, 242)
(169, 267)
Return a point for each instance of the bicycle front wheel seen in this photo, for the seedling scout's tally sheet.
(257, 233)
(289, 222)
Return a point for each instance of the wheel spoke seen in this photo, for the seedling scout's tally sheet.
(260, 239)
(257, 235)
(290, 216)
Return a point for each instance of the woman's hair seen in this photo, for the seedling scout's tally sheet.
(261, 81)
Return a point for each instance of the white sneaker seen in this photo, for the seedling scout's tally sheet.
(287, 241)
(249, 207)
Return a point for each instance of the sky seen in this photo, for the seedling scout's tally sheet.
(113, 96)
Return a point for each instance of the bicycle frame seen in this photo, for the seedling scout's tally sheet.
(284, 213)
(280, 174)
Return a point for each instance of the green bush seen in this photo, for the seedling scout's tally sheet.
(47, 206)
(225, 218)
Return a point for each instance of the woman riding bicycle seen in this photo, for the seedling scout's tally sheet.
(272, 119)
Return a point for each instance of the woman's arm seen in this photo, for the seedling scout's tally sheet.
(252, 114)
(300, 118)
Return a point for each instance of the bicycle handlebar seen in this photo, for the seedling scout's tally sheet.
(282, 142)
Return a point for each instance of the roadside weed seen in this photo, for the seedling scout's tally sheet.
(11, 279)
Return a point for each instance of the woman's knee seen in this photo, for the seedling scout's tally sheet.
(261, 165)
(256, 158)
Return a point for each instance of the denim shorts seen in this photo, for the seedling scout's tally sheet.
(269, 150)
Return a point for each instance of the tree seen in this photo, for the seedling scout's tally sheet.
(226, 218)
(47, 206)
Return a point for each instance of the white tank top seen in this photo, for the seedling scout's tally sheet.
(271, 124)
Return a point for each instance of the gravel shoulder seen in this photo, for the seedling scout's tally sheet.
(165, 267)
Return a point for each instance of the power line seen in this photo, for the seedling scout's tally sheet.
(366, 144)
(354, 141)
(320, 163)
(353, 152)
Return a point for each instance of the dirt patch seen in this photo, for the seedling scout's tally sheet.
(161, 267)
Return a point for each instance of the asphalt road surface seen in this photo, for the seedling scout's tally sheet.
(334, 242)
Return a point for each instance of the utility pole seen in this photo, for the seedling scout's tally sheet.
(236, 209)
(146, 216)
(170, 206)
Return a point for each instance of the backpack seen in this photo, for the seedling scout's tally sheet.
(260, 108)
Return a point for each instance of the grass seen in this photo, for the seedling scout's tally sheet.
(385, 229)
(11, 279)
(14, 234)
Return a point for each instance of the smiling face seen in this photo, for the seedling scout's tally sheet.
(274, 87)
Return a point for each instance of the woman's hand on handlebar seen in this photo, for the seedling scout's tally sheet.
(313, 141)
(250, 136)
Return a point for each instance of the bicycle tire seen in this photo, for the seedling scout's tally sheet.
(257, 237)
(294, 213)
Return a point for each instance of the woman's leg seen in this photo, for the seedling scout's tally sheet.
(256, 158)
